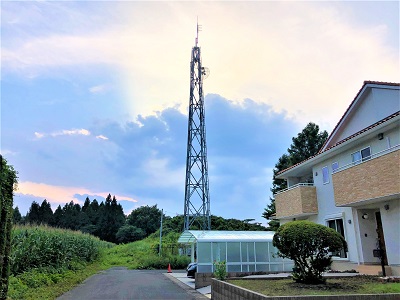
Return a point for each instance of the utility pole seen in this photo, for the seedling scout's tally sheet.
(159, 248)
(197, 198)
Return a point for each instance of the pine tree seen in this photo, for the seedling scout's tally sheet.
(17, 217)
(33, 215)
(306, 144)
(45, 213)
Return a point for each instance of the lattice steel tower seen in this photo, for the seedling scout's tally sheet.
(197, 197)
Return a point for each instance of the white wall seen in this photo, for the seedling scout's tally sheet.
(374, 106)
(391, 230)
(328, 210)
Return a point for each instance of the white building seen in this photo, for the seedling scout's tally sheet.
(353, 183)
(243, 251)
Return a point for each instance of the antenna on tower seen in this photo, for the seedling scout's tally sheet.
(198, 28)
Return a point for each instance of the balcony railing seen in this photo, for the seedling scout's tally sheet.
(365, 159)
(295, 186)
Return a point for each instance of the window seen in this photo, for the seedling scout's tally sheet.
(388, 142)
(325, 175)
(337, 224)
(335, 166)
(361, 155)
(366, 153)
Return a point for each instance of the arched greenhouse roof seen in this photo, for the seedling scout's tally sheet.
(193, 236)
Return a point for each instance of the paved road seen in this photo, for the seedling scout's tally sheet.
(121, 283)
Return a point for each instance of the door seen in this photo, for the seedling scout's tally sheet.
(381, 237)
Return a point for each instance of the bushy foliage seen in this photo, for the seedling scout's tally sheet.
(220, 270)
(310, 246)
(8, 183)
(129, 233)
(43, 247)
(145, 217)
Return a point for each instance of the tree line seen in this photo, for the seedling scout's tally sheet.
(107, 220)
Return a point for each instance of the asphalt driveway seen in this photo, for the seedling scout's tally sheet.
(121, 283)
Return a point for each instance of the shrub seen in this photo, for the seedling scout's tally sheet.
(310, 246)
(220, 270)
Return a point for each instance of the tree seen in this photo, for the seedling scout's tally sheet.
(33, 215)
(146, 218)
(17, 218)
(111, 219)
(45, 213)
(57, 216)
(129, 233)
(310, 246)
(8, 183)
(306, 144)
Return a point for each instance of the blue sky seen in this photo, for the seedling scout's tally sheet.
(94, 95)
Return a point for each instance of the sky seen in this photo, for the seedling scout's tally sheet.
(95, 94)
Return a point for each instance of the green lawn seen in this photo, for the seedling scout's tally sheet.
(334, 286)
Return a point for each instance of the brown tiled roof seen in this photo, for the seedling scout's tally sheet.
(352, 102)
(355, 134)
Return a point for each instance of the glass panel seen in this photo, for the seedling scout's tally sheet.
(288, 267)
(245, 268)
(204, 252)
(204, 268)
(262, 252)
(252, 268)
(273, 254)
(335, 166)
(366, 153)
(331, 224)
(219, 251)
(276, 267)
(234, 268)
(250, 249)
(244, 252)
(356, 157)
(339, 227)
(262, 267)
(325, 175)
(233, 252)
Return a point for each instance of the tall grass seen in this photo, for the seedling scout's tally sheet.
(44, 247)
(47, 262)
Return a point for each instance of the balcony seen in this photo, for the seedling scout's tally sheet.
(299, 200)
(375, 179)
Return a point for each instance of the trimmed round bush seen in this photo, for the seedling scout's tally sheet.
(310, 246)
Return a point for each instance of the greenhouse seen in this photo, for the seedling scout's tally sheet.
(243, 251)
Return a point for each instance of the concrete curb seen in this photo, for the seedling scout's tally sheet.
(195, 294)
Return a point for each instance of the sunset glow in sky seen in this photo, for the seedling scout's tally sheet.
(94, 94)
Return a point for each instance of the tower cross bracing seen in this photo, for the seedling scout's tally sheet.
(197, 198)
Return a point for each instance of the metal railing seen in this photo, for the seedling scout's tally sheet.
(295, 186)
(365, 159)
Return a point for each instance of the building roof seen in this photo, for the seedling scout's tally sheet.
(324, 148)
(352, 106)
(193, 236)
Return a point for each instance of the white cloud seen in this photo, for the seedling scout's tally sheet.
(102, 137)
(39, 135)
(60, 194)
(99, 89)
(295, 56)
(84, 132)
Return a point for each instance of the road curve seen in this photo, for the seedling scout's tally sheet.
(120, 283)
